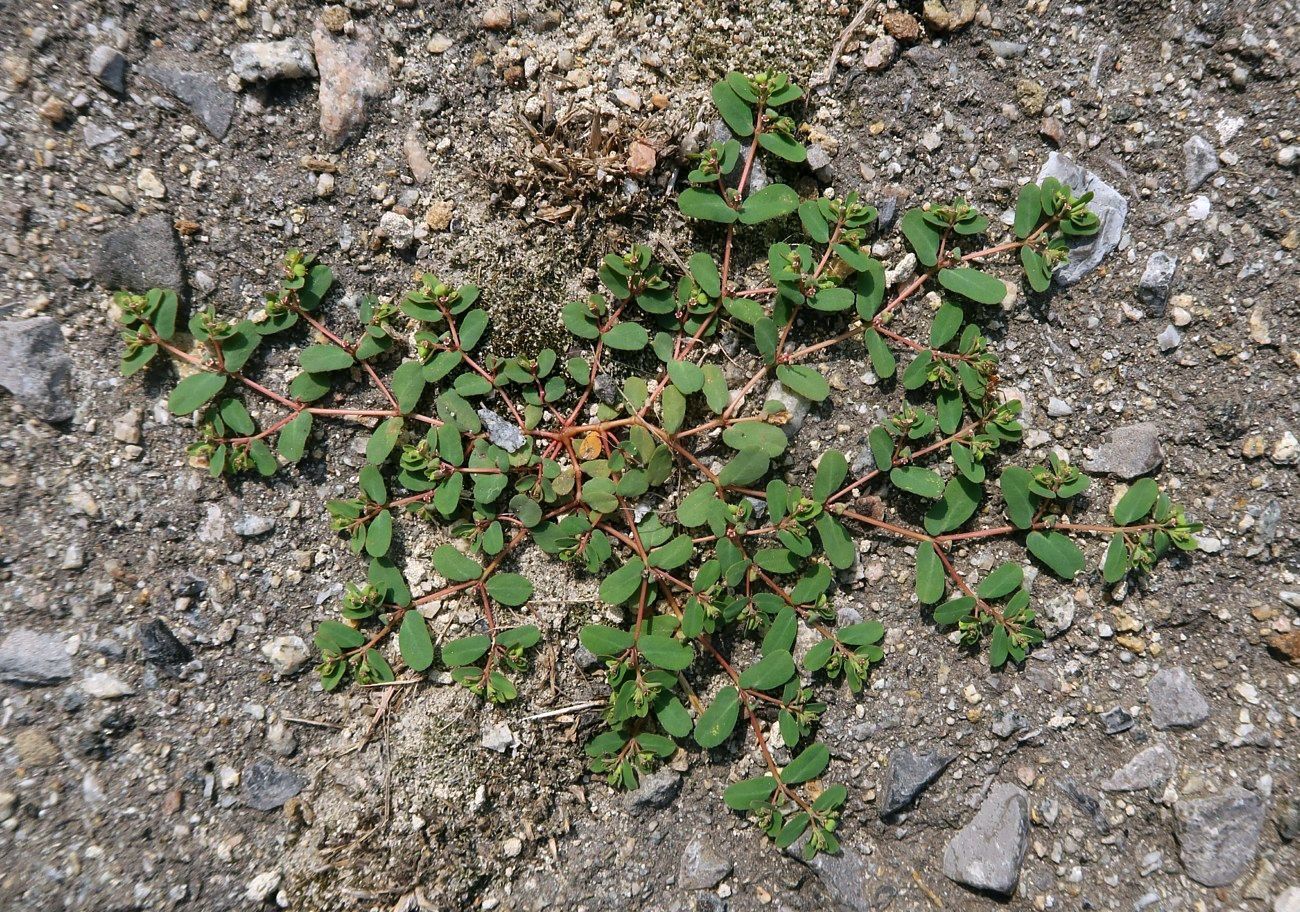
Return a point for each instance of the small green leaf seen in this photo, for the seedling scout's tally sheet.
(454, 566)
(1001, 582)
(1057, 551)
(803, 380)
(916, 480)
(768, 439)
(930, 574)
(379, 534)
(971, 283)
(769, 672)
(921, 235)
(413, 641)
(665, 652)
(1028, 211)
(1115, 565)
(324, 357)
(1137, 502)
(716, 723)
(808, 765)
(883, 361)
(465, 651)
(626, 337)
(408, 385)
(951, 612)
(194, 392)
(623, 583)
(832, 469)
(773, 201)
(1021, 503)
(509, 588)
(383, 440)
(737, 113)
(747, 793)
(292, 442)
(705, 205)
(747, 467)
(705, 272)
(604, 641)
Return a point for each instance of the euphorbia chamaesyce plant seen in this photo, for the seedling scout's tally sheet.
(672, 487)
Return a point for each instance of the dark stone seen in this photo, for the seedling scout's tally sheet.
(1116, 720)
(202, 91)
(160, 646)
(36, 368)
(266, 786)
(657, 790)
(140, 257)
(907, 776)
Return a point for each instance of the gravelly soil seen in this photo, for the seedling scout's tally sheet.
(142, 801)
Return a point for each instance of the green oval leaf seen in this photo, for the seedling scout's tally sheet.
(194, 392)
(413, 641)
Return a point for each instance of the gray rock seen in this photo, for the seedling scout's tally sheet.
(880, 53)
(1009, 722)
(1288, 819)
(701, 868)
(1111, 208)
(265, 61)
(1132, 450)
(1219, 835)
(505, 434)
(159, 645)
(1007, 50)
(251, 525)
(1169, 338)
(1116, 720)
(846, 877)
(795, 405)
(34, 659)
(352, 80)
(202, 91)
(907, 775)
(657, 790)
(819, 163)
(141, 256)
(719, 132)
(1175, 701)
(986, 854)
(1157, 279)
(107, 67)
(1147, 770)
(1056, 615)
(1201, 161)
(36, 368)
(397, 230)
(266, 786)
(95, 135)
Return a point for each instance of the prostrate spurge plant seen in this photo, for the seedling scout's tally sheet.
(671, 488)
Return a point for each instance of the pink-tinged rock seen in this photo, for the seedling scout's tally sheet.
(352, 79)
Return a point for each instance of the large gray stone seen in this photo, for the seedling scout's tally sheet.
(503, 433)
(1087, 253)
(352, 80)
(1131, 450)
(847, 877)
(1219, 835)
(1147, 770)
(701, 868)
(141, 256)
(986, 854)
(202, 91)
(1175, 701)
(34, 659)
(36, 368)
(108, 68)
(907, 775)
(1200, 161)
(1157, 279)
